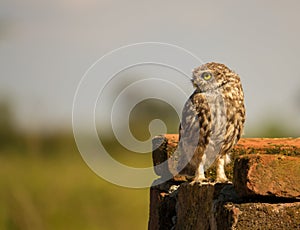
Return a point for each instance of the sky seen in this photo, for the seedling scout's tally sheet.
(46, 47)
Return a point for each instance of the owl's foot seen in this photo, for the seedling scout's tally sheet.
(221, 176)
(200, 177)
(222, 180)
(199, 181)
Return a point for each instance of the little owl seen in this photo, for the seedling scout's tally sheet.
(212, 121)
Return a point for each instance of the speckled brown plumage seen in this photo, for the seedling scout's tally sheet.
(212, 121)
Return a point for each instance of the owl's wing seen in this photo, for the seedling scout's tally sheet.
(194, 130)
(196, 120)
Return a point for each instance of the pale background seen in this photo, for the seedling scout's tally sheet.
(46, 47)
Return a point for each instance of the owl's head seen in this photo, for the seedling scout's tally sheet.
(212, 76)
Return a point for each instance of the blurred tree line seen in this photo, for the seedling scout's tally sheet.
(12, 139)
(15, 140)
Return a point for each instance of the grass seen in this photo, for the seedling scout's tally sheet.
(61, 192)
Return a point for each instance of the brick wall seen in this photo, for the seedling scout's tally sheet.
(265, 193)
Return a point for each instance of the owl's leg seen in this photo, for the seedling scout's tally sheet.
(200, 176)
(221, 162)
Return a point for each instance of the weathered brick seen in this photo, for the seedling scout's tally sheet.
(195, 206)
(267, 175)
(268, 188)
(248, 216)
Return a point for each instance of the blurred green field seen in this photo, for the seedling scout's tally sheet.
(45, 184)
(61, 192)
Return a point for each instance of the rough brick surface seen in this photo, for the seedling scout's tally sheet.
(191, 206)
(249, 216)
(159, 155)
(267, 175)
(163, 148)
(195, 206)
(162, 206)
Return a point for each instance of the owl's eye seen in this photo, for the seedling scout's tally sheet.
(206, 76)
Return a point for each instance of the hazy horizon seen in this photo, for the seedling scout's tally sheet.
(46, 47)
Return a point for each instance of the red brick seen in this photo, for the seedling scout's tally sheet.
(267, 175)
